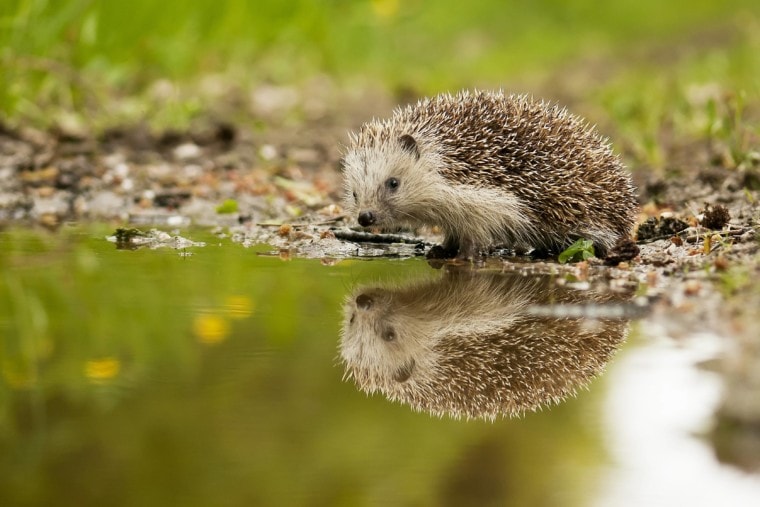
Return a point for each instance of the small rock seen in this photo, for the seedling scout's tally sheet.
(187, 151)
(692, 287)
(45, 191)
(721, 263)
(331, 210)
(46, 175)
(50, 220)
(268, 152)
(55, 204)
(107, 204)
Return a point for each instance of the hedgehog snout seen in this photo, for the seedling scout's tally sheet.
(367, 218)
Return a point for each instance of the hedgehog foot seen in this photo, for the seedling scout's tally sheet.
(469, 251)
(462, 251)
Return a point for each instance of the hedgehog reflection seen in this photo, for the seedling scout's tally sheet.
(468, 346)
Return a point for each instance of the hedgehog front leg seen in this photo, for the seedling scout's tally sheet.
(447, 250)
(468, 250)
(463, 249)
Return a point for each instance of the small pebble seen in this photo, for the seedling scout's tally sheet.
(187, 151)
(268, 152)
(721, 263)
(692, 287)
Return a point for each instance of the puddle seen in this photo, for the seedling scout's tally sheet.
(658, 413)
(150, 376)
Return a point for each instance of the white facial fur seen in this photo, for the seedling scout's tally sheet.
(365, 342)
(367, 171)
(472, 217)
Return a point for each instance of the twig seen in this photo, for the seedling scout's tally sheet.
(329, 221)
(368, 237)
(692, 234)
(730, 233)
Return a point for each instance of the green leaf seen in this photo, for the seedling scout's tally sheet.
(579, 251)
(228, 206)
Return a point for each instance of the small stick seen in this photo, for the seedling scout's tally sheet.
(689, 237)
(368, 237)
(329, 221)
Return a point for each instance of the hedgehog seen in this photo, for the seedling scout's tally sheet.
(489, 170)
(468, 344)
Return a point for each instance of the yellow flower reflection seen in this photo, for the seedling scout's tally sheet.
(210, 329)
(102, 370)
(17, 378)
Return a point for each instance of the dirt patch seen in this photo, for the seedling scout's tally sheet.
(136, 176)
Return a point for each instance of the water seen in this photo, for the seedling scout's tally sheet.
(213, 375)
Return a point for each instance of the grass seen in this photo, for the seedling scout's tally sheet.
(674, 87)
(105, 62)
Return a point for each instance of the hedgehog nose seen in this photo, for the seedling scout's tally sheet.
(363, 301)
(366, 218)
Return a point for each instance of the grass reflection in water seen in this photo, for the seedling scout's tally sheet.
(145, 377)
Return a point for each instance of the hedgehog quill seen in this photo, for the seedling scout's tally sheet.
(489, 170)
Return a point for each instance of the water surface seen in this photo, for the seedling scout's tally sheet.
(213, 376)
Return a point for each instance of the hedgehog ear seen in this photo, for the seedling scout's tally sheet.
(409, 144)
(403, 373)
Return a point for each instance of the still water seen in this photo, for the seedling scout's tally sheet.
(219, 375)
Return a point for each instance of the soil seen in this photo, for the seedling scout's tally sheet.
(255, 179)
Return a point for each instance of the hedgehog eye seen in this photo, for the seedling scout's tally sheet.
(389, 335)
(392, 183)
(355, 198)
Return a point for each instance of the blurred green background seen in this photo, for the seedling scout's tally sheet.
(335, 35)
(89, 55)
(409, 42)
